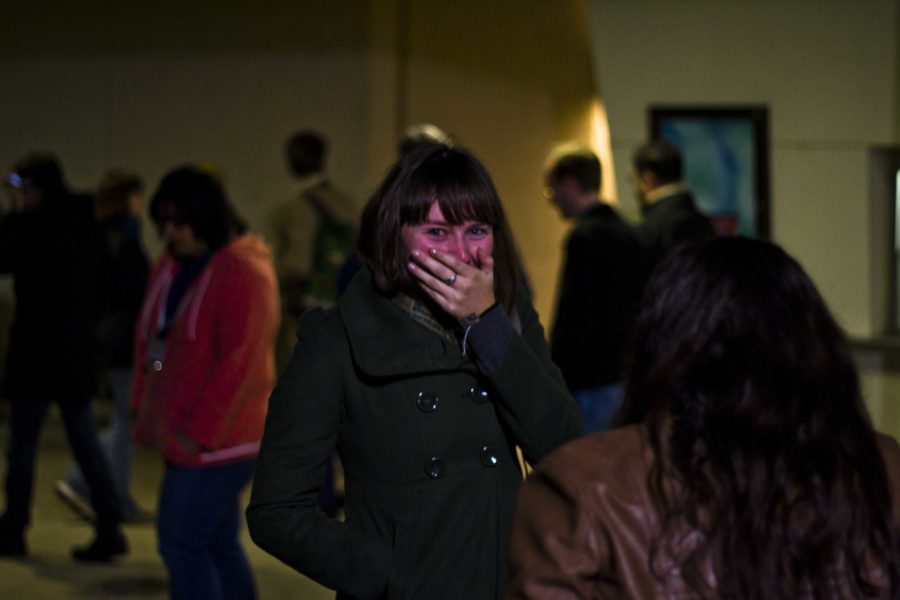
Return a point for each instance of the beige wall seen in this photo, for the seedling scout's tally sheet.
(122, 84)
(125, 84)
(829, 72)
(507, 80)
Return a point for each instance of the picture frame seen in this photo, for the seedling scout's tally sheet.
(726, 161)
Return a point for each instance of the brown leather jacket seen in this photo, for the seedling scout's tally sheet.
(584, 522)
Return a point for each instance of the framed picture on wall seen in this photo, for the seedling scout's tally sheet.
(726, 161)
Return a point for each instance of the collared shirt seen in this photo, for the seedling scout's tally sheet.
(664, 191)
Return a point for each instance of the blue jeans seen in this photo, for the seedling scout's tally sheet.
(26, 418)
(116, 443)
(599, 405)
(198, 520)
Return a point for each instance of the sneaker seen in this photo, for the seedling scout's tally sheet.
(78, 503)
(104, 548)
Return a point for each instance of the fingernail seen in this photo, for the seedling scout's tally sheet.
(432, 251)
(412, 266)
(416, 253)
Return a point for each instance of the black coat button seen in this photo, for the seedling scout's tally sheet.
(477, 395)
(488, 456)
(427, 402)
(435, 467)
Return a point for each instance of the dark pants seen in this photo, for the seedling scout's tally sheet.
(599, 406)
(198, 521)
(26, 418)
(116, 443)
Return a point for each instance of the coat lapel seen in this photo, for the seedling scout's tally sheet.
(385, 341)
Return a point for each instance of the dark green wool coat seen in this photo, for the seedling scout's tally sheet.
(427, 439)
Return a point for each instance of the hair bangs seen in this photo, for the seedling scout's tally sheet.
(462, 191)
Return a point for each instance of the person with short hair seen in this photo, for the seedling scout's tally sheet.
(204, 368)
(312, 235)
(746, 467)
(600, 285)
(426, 376)
(669, 214)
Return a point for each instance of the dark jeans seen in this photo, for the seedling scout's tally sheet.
(198, 521)
(599, 406)
(26, 418)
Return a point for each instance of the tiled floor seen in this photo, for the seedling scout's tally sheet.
(49, 573)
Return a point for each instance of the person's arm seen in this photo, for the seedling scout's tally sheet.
(244, 302)
(533, 401)
(555, 549)
(300, 436)
(532, 398)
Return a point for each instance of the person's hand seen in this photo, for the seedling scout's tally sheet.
(464, 291)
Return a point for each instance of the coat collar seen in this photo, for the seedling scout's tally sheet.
(385, 341)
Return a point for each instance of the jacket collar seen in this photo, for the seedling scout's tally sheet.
(677, 201)
(386, 341)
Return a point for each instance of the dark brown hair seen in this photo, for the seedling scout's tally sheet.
(662, 158)
(762, 444)
(461, 186)
(575, 161)
(305, 152)
(198, 199)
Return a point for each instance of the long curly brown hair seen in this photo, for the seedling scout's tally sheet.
(764, 454)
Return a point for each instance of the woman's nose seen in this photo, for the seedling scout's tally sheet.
(460, 249)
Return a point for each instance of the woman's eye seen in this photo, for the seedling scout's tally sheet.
(435, 232)
(479, 230)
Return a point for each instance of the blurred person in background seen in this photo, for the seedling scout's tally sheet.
(204, 368)
(119, 202)
(313, 233)
(600, 286)
(55, 251)
(669, 214)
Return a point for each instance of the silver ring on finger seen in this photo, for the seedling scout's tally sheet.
(451, 280)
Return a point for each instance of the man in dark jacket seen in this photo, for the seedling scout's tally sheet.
(670, 216)
(53, 248)
(599, 290)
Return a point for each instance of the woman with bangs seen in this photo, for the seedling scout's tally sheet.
(428, 374)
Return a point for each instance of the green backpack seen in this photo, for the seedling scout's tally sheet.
(333, 244)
